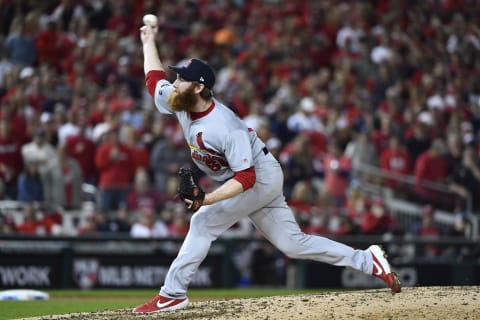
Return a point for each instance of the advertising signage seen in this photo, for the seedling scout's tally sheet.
(118, 271)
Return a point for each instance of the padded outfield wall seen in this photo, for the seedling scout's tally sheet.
(125, 263)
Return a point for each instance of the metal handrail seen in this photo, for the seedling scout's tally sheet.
(412, 180)
(440, 187)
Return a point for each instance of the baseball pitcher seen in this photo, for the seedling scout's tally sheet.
(252, 183)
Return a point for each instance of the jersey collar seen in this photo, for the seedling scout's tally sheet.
(198, 115)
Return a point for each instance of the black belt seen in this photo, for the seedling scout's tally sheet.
(265, 150)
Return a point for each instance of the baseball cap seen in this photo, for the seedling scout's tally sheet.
(196, 70)
(26, 72)
(45, 117)
(307, 104)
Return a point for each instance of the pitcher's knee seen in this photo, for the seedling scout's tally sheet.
(198, 222)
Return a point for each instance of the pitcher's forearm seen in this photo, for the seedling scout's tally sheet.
(151, 58)
(228, 190)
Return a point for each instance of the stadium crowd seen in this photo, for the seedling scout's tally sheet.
(331, 86)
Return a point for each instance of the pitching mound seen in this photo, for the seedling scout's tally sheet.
(413, 303)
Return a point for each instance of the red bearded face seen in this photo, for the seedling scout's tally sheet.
(183, 101)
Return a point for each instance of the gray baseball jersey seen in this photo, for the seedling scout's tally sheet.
(221, 144)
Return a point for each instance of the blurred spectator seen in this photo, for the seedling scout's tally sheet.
(356, 204)
(13, 110)
(454, 151)
(75, 119)
(7, 10)
(167, 156)
(336, 168)
(41, 152)
(362, 71)
(466, 181)
(66, 11)
(278, 125)
(38, 220)
(418, 142)
(50, 219)
(382, 52)
(428, 229)
(129, 74)
(142, 195)
(115, 165)
(377, 219)
(6, 66)
(47, 123)
(121, 21)
(30, 185)
(11, 162)
(148, 225)
(82, 148)
(361, 151)
(346, 225)
(318, 223)
(20, 45)
(381, 131)
(179, 226)
(255, 119)
(170, 196)
(304, 120)
(89, 226)
(131, 138)
(299, 164)
(395, 160)
(66, 183)
(431, 166)
(51, 45)
(30, 224)
(99, 14)
(302, 197)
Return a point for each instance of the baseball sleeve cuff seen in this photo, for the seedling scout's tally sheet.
(246, 177)
(151, 79)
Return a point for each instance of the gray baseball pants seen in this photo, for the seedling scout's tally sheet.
(265, 206)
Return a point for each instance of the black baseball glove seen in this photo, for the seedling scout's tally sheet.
(189, 189)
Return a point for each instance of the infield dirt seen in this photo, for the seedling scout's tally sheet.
(412, 303)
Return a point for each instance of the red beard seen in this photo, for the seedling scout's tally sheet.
(183, 101)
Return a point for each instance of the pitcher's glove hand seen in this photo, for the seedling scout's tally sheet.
(189, 189)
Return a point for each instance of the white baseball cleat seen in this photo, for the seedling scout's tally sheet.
(160, 304)
(383, 270)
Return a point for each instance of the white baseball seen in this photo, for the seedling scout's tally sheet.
(150, 20)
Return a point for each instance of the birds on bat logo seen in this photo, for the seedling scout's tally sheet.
(212, 159)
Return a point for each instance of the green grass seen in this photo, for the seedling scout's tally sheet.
(73, 301)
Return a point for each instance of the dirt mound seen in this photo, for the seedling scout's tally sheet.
(412, 303)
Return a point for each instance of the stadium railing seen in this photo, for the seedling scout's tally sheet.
(407, 211)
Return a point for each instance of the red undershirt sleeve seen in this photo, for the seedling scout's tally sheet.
(246, 177)
(151, 79)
